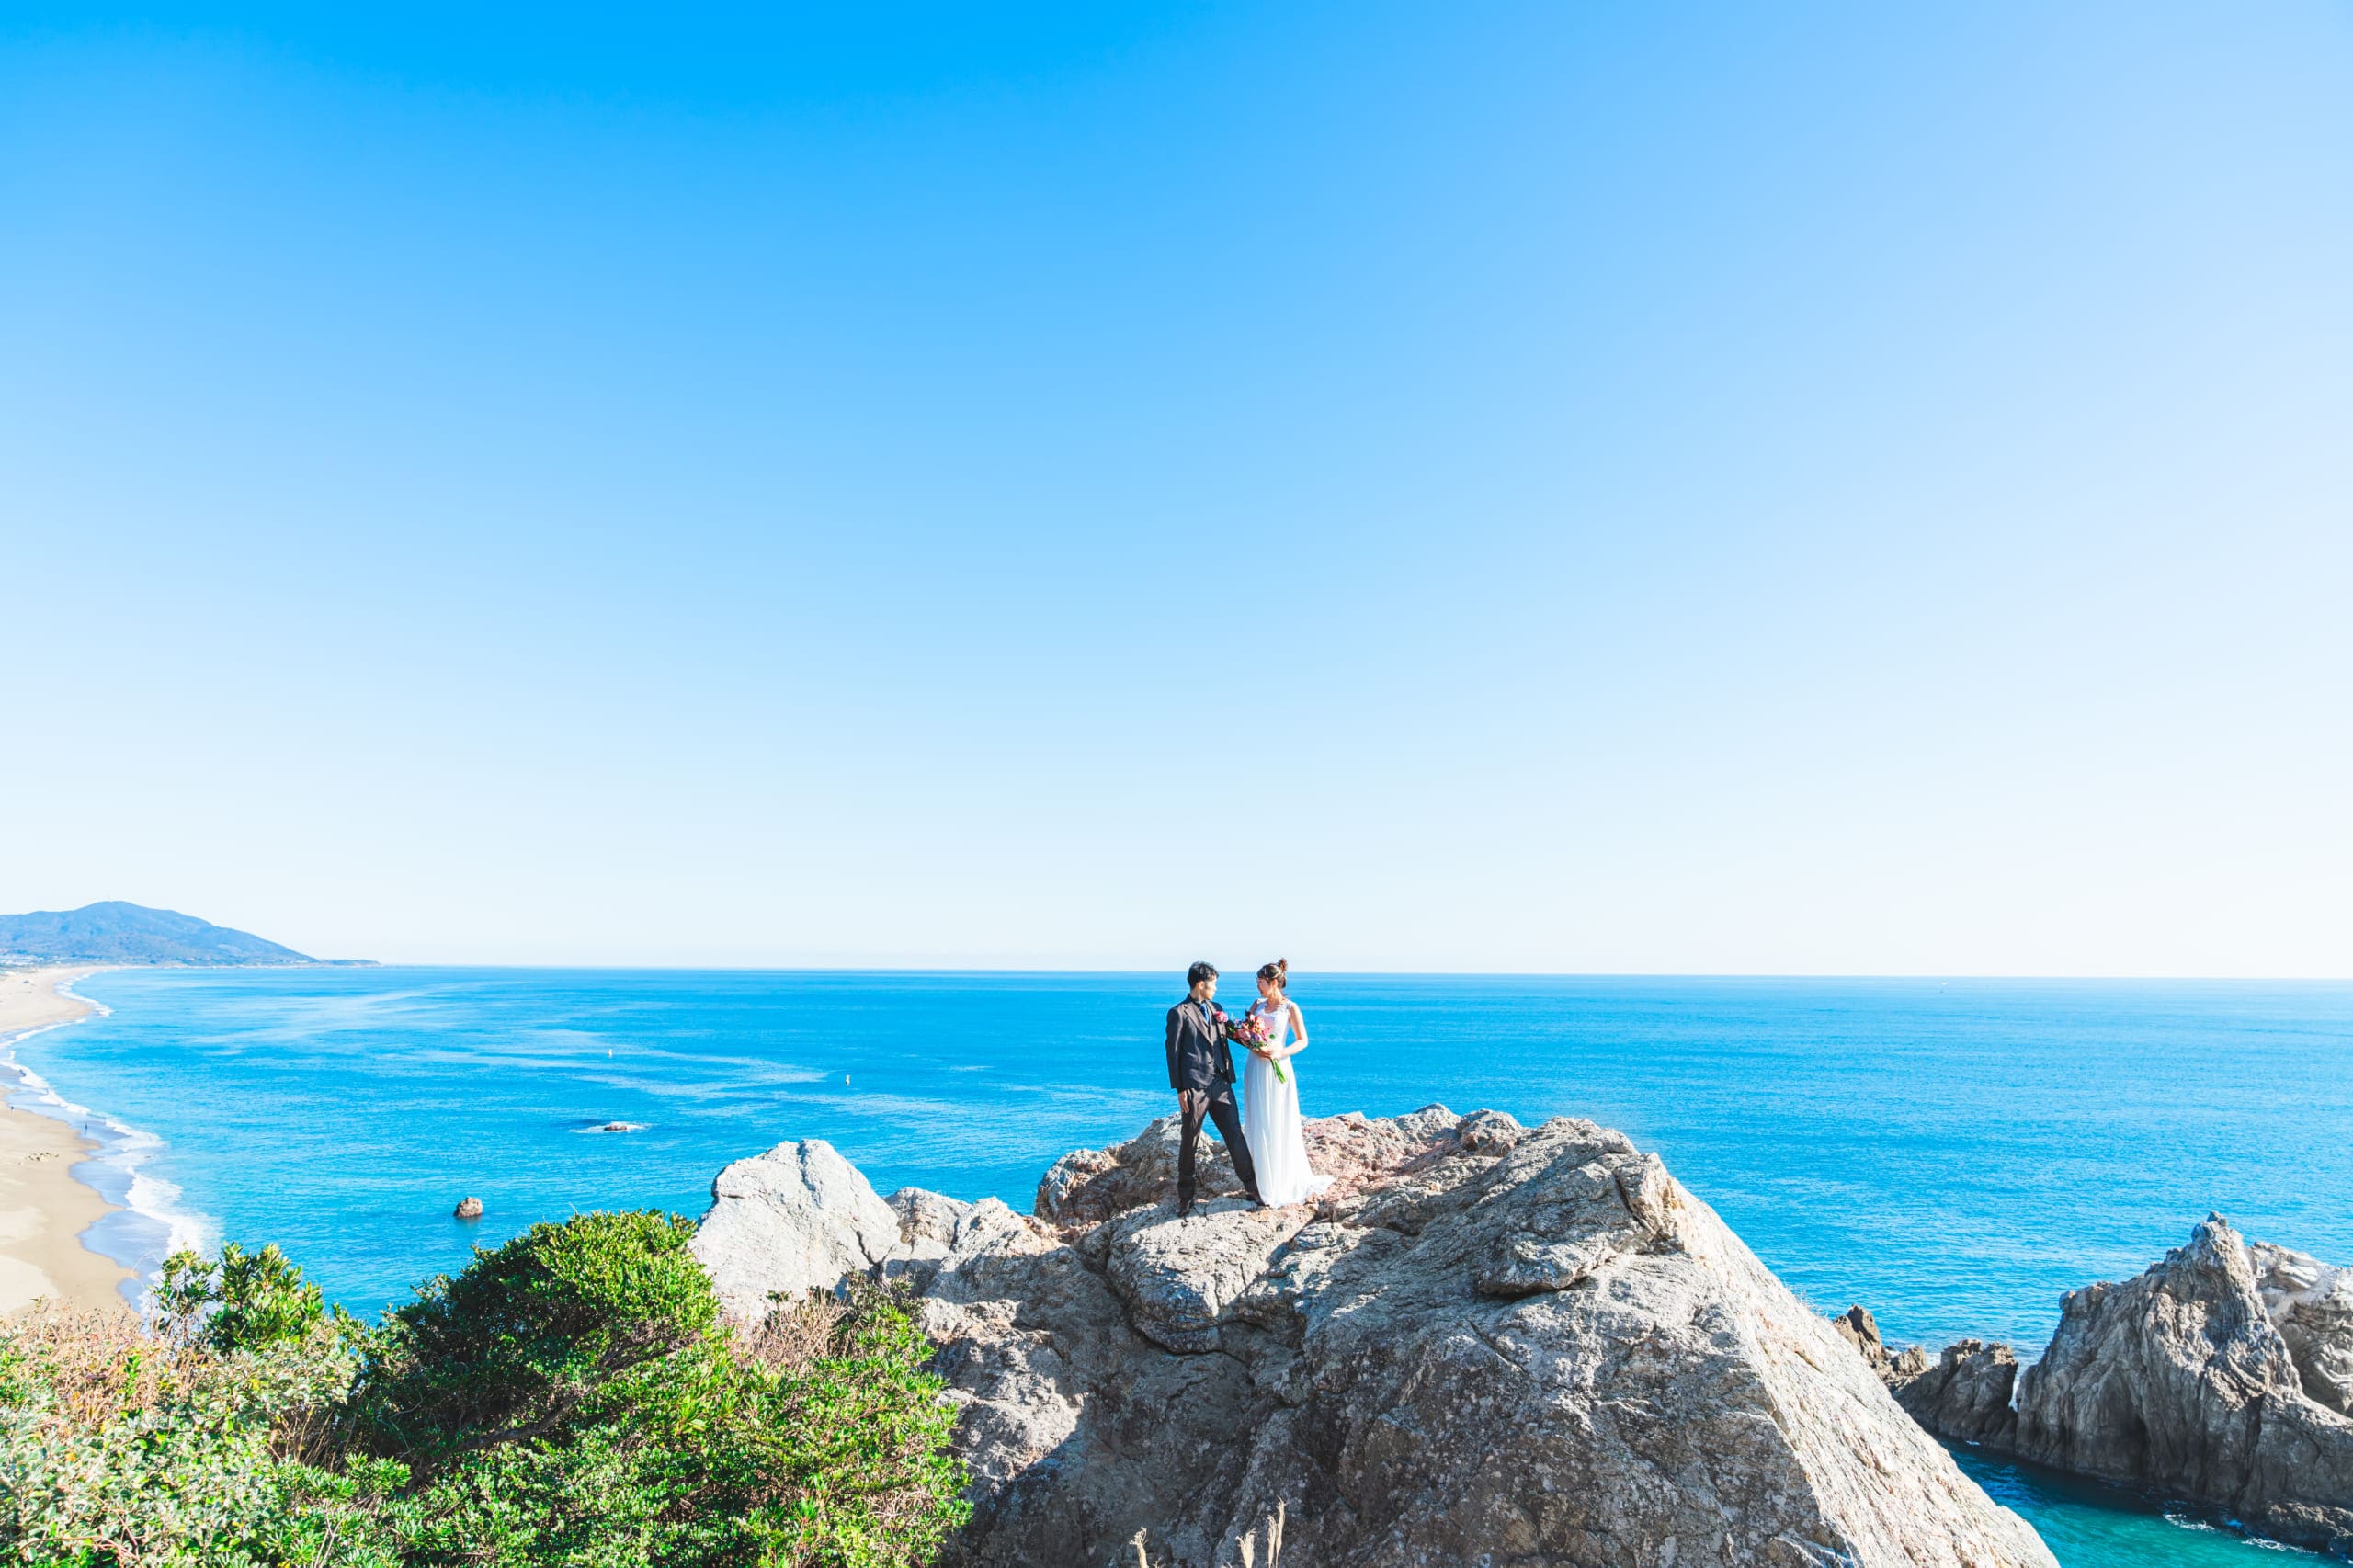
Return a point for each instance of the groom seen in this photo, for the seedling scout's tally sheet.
(1200, 1069)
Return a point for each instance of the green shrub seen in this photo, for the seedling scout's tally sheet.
(564, 1325)
(571, 1398)
(240, 1300)
(119, 1446)
(855, 1444)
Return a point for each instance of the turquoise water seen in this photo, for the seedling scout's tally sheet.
(2085, 1523)
(1953, 1154)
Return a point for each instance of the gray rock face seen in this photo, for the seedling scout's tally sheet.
(1090, 1186)
(926, 1218)
(1182, 1280)
(796, 1219)
(2219, 1376)
(1487, 1344)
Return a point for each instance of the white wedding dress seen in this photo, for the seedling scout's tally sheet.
(1270, 1120)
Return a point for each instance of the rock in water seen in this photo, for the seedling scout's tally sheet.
(469, 1208)
(1488, 1344)
(1964, 1394)
(2180, 1379)
(2219, 1376)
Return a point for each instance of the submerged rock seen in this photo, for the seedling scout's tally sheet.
(2219, 1376)
(1488, 1343)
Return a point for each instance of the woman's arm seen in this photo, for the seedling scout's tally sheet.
(1298, 1030)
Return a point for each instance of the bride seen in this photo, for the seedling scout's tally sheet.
(1270, 1104)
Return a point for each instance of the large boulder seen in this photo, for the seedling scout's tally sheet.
(796, 1219)
(2220, 1376)
(1487, 1344)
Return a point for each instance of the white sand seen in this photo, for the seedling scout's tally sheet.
(43, 1211)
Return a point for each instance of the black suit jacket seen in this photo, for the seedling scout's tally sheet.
(1198, 1057)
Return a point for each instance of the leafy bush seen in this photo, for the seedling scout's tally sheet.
(240, 1300)
(119, 1446)
(853, 1443)
(562, 1327)
(571, 1398)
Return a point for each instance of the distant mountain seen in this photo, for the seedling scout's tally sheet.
(115, 932)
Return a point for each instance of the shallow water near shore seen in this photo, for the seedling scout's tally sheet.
(1953, 1154)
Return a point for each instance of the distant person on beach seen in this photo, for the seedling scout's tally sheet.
(1270, 1090)
(1200, 1069)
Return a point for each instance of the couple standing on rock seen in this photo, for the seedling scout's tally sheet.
(1200, 1069)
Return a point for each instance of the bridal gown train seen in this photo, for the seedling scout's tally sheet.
(1271, 1122)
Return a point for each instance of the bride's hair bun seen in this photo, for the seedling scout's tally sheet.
(1279, 971)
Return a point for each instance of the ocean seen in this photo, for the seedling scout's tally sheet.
(1953, 1154)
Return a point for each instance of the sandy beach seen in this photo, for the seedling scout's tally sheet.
(43, 1211)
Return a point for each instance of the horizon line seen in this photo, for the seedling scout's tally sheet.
(956, 968)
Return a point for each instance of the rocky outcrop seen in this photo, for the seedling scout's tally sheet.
(2180, 1381)
(1486, 1344)
(1858, 1328)
(2219, 1376)
(1963, 1395)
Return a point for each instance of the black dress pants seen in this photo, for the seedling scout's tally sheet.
(1216, 1103)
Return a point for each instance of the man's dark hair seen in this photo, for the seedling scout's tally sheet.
(1200, 971)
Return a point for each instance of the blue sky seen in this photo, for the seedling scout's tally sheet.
(1618, 487)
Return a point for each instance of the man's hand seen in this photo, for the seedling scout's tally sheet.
(1193, 1100)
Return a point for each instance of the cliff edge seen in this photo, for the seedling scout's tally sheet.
(1488, 1343)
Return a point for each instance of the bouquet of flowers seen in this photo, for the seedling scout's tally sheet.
(1252, 1031)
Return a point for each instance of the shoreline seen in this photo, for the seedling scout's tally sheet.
(45, 1209)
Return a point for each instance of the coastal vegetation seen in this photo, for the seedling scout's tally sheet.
(574, 1397)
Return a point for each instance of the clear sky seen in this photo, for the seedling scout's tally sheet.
(1585, 487)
